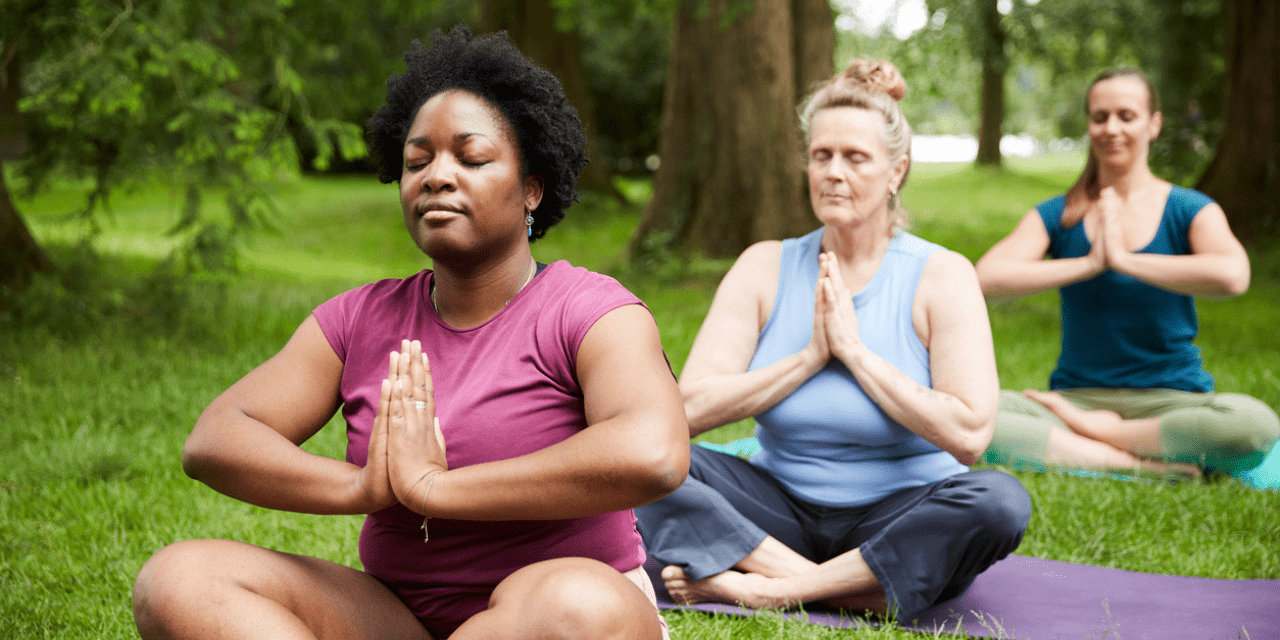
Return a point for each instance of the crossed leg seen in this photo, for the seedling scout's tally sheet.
(1102, 438)
(775, 576)
(223, 589)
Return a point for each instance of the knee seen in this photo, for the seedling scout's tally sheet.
(1001, 506)
(161, 583)
(1254, 426)
(581, 598)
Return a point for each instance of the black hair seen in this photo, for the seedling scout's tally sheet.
(547, 130)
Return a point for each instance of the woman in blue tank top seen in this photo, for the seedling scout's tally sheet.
(865, 355)
(1128, 252)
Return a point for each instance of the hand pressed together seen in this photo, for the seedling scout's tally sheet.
(834, 305)
(1108, 250)
(406, 447)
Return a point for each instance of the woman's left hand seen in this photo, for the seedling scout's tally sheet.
(840, 319)
(415, 444)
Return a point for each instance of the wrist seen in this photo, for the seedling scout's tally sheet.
(853, 354)
(813, 359)
(363, 497)
(431, 479)
(1120, 261)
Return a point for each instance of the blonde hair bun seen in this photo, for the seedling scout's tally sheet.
(875, 75)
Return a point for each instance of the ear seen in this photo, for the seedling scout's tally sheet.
(1157, 120)
(899, 172)
(532, 192)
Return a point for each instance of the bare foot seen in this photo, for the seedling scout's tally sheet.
(1171, 470)
(730, 587)
(1096, 424)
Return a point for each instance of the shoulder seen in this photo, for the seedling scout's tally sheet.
(371, 299)
(368, 308)
(574, 283)
(1051, 210)
(756, 265)
(914, 245)
(1187, 202)
(947, 277)
(569, 300)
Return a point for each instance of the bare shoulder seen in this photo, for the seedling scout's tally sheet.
(947, 268)
(948, 290)
(760, 259)
(751, 283)
(950, 309)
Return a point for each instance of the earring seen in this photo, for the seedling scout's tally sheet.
(893, 198)
(528, 221)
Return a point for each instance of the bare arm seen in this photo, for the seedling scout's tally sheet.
(1217, 265)
(1016, 267)
(958, 413)
(245, 443)
(715, 383)
(635, 450)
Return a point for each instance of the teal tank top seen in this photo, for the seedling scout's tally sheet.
(1120, 332)
(827, 442)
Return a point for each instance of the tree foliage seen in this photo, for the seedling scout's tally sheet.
(218, 96)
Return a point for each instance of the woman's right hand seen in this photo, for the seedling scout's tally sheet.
(415, 444)
(375, 480)
(819, 349)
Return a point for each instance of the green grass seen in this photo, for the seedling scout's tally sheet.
(99, 387)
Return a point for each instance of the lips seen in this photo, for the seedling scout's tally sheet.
(433, 208)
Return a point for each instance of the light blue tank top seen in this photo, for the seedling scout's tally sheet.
(827, 442)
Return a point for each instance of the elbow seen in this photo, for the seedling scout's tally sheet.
(1237, 283)
(967, 457)
(661, 468)
(197, 457)
(670, 469)
(989, 280)
(970, 448)
(1232, 277)
(696, 414)
(194, 461)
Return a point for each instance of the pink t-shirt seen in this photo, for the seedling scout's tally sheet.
(503, 389)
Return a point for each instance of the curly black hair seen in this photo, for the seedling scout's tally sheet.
(546, 128)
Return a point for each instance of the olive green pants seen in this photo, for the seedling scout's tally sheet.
(1226, 432)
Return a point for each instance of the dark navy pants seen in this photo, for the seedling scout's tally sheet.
(925, 544)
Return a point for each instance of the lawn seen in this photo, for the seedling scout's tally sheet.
(99, 385)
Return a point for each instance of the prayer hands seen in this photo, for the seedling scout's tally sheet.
(833, 309)
(406, 447)
(1108, 248)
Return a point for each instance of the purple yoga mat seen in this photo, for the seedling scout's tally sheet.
(1021, 597)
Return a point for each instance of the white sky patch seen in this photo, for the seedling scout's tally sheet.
(904, 17)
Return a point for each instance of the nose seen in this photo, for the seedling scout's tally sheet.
(834, 169)
(1111, 125)
(438, 175)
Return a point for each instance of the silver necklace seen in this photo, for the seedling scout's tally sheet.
(533, 270)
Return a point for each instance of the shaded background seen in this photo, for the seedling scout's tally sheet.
(700, 93)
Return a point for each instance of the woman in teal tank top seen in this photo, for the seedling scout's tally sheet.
(865, 355)
(1128, 253)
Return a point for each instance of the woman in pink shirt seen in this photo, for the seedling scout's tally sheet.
(554, 410)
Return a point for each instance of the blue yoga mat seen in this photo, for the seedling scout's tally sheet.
(1033, 599)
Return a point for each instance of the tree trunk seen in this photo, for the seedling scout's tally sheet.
(994, 63)
(20, 256)
(531, 25)
(731, 153)
(1244, 176)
